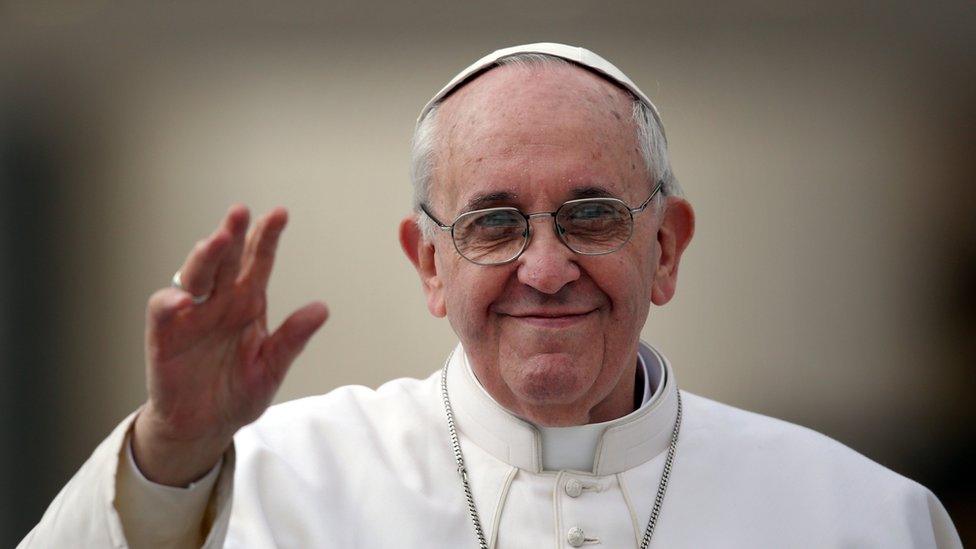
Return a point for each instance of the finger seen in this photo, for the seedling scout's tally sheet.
(259, 252)
(164, 304)
(197, 272)
(229, 265)
(281, 348)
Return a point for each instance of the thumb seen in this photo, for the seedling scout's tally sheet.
(281, 348)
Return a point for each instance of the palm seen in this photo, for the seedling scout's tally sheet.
(213, 367)
(205, 368)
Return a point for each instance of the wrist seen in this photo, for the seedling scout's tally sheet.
(166, 458)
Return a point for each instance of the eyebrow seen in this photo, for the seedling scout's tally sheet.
(481, 201)
(484, 200)
(591, 191)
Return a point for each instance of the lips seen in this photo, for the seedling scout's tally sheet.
(551, 319)
(550, 314)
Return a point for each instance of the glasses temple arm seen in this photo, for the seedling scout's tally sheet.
(643, 206)
(441, 226)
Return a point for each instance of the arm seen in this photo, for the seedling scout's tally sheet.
(82, 513)
(156, 515)
(212, 367)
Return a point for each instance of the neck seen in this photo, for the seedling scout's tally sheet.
(604, 448)
(617, 403)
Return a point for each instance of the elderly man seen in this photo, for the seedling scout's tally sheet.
(547, 221)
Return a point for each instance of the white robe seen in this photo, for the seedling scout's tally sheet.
(371, 469)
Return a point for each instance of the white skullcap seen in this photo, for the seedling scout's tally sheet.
(580, 56)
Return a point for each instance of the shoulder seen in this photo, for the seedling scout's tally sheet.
(355, 412)
(802, 480)
(770, 447)
(353, 444)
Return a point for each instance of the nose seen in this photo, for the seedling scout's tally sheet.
(546, 264)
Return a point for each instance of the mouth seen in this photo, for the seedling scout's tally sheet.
(549, 319)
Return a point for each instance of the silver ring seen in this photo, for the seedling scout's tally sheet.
(178, 284)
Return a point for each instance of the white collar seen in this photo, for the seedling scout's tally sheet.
(575, 447)
(603, 448)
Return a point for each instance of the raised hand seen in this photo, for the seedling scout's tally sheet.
(213, 367)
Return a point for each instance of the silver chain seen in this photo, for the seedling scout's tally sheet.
(662, 487)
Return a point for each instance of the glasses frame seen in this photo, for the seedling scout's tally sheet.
(527, 238)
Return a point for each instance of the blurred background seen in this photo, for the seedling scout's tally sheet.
(827, 148)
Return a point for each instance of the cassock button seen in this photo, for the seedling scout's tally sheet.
(575, 536)
(574, 488)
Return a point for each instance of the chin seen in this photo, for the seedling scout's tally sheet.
(553, 379)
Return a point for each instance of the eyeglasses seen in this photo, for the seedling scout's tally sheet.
(587, 226)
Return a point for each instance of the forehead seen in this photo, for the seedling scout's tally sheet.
(535, 129)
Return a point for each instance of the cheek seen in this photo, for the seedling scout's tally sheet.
(469, 292)
(644, 258)
(627, 282)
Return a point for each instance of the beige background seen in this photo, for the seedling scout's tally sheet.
(827, 151)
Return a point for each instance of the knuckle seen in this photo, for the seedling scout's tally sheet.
(246, 305)
(255, 305)
(266, 250)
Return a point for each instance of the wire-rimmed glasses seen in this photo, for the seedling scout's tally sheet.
(587, 226)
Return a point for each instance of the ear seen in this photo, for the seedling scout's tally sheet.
(673, 236)
(420, 252)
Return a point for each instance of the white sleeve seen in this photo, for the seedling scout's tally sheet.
(85, 513)
(156, 515)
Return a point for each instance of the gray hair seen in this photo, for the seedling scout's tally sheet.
(650, 138)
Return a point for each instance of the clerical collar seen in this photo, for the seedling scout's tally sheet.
(602, 448)
(574, 447)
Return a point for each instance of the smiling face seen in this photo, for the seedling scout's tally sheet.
(553, 335)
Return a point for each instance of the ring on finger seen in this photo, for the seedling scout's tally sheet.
(178, 284)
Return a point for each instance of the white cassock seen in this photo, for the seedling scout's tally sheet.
(374, 469)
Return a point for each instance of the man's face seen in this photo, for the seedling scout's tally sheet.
(552, 335)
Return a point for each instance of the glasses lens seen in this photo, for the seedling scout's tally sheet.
(490, 236)
(597, 226)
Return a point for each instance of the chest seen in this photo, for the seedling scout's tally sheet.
(371, 505)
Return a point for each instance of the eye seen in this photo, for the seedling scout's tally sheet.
(498, 219)
(595, 224)
(592, 211)
(489, 228)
